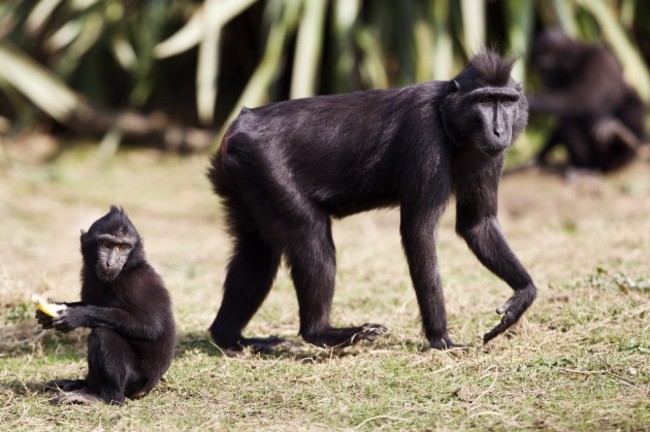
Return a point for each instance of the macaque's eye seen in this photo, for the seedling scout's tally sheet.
(123, 247)
(106, 245)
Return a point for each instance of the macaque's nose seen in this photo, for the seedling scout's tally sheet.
(112, 259)
(499, 127)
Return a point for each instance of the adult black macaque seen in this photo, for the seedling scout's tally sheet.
(283, 170)
(600, 119)
(128, 308)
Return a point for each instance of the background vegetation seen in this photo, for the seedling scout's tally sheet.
(200, 62)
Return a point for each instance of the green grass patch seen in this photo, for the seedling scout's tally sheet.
(579, 361)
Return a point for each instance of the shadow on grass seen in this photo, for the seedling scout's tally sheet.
(196, 341)
(294, 348)
(274, 347)
(26, 338)
(21, 388)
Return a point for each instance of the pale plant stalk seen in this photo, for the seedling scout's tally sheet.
(309, 46)
(473, 12)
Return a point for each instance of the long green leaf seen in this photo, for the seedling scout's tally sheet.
(124, 52)
(63, 36)
(91, 29)
(257, 88)
(207, 72)
(344, 18)
(204, 28)
(424, 51)
(372, 66)
(519, 14)
(309, 46)
(40, 14)
(146, 37)
(41, 86)
(443, 62)
(184, 39)
(191, 34)
(564, 12)
(473, 12)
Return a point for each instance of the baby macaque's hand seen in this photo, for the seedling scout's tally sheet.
(46, 307)
(44, 320)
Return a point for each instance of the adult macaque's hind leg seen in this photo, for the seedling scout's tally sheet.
(251, 271)
(313, 265)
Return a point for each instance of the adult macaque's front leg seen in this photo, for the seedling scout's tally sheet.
(487, 242)
(418, 239)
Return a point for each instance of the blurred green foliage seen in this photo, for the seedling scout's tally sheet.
(201, 61)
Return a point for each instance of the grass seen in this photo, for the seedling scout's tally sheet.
(579, 361)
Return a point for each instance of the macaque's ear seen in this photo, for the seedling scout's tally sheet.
(453, 86)
(83, 234)
(519, 86)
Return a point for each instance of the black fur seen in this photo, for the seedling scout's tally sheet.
(284, 169)
(131, 344)
(600, 119)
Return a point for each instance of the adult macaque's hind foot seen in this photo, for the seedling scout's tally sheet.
(342, 337)
(81, 396)
(368, 332)
(443, 343)
(239, 343)
(261, 345)
(512, 310)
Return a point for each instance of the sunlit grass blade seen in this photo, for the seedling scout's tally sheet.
(63, 36)
(146, 37)
(519, 19)
(40, 14)
(443, 62)
(41, 86)
(473, 12)
(90, 29)
(191, 33)
(371, 67)
(565, 13)
(204, 28)
(187, 37)
(309, 46)
(345, 14)
(424, 51)
(628, 11)
(207, 71)
(284, 18)
(124, 52)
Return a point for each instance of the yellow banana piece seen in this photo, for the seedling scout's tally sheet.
(51, 309)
